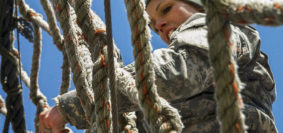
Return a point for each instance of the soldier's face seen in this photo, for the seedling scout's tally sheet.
(167, 15)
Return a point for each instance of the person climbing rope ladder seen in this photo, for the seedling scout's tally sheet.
(184, 75)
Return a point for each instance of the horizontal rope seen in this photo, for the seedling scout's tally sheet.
(264, 12)
(30, 15)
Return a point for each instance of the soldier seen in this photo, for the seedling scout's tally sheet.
(184, 75)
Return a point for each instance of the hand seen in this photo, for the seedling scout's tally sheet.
(51, 119)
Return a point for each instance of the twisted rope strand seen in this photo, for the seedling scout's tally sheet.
(91, 25)
(9, 72)
(264, 12)
(111, 72)
(94, 33)
(58, 41)
(31, 15)
(74, 51)
(11, 85)
(227, 92)
(13, 57)
(3, 109)
(161, 116)
(57, 37)
(128, 122)
(102, 96)
(127, 85)
(37, 97)
(35, 67)
(66, 74)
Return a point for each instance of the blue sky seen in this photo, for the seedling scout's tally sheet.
(51, 59)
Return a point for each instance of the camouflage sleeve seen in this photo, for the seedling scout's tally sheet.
(70, 107)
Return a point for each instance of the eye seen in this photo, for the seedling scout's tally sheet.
(166, 9)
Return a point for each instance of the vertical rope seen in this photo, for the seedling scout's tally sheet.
(66, 74)
(75, 54)
(94, 34)
(92, 27)
(9, 71)
(13, 57)
(58, 41)
(111, 72)
(228, 98)
(55, 31)
(160, 115)
(37, 97)
(102, 96)
(19, 48)
(3, 109)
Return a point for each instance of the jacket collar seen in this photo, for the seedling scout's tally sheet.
(186, 34)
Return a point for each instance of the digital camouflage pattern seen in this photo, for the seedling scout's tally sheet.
(184, 78)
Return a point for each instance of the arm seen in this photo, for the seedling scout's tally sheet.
(181, 73)
(69, 109)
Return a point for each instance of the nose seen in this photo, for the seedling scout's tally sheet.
(160, 25)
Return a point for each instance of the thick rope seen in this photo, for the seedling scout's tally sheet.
(111, 72)
(160, 115)
(102, 99)
(30, 15)
(37, 97)
(55, 31)
(3, 109)
(264, 12)
(127, 85)
(92, 25)
(97, 40)
(76, 53)
(128, 122)
(227, 93)
(59, 42)
(14, 100)
(14, 58)
(66, 74)
(227, 82)
(9, 71)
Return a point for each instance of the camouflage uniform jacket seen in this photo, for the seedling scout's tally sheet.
(184, 78)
